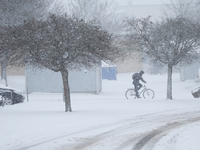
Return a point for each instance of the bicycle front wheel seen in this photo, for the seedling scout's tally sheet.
(148, 94)
(130, 94)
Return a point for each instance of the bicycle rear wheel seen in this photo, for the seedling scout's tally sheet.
(130, 94)
(148, 94)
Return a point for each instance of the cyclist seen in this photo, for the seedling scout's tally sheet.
(136, 78)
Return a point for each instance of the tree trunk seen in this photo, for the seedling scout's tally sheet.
(1, 70)
(4, 72)
(169, 82)
(66, 91)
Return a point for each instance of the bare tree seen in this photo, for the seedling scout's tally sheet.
(169, 41)
(183, 8)
(60, 43)
(14, 12)
(91, 9)
(179, 8)
(101, 11)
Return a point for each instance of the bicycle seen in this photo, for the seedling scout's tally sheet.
(146, 93)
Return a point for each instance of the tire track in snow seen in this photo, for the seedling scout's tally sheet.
(149, 136)
(123, 126)
(174, 121)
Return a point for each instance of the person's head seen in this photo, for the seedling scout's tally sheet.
(141, 72)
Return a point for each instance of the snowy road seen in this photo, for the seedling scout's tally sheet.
(129, 135)
(138, 133)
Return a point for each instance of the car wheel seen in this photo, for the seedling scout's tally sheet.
(7, 101)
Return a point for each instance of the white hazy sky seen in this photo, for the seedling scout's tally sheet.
(134, 2)
(142, 2)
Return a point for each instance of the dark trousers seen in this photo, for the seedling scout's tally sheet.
(137, 87)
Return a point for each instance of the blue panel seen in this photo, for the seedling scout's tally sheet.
(109, 73)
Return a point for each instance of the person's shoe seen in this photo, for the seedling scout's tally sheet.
(138, 97)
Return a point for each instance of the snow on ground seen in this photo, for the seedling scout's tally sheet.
(185, 138)
(41, 122)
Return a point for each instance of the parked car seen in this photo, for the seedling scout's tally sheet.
(11, 96)
(197, 80)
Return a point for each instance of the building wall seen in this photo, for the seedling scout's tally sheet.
(49, 81)
(141, 11)
(15, 71)
(190, 71)
(129, 65)
(132, 63)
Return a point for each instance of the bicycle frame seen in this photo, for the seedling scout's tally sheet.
(143, 89)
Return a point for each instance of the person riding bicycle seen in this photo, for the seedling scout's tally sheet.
(136, 78)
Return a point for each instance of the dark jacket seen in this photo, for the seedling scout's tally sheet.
(137, 78)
